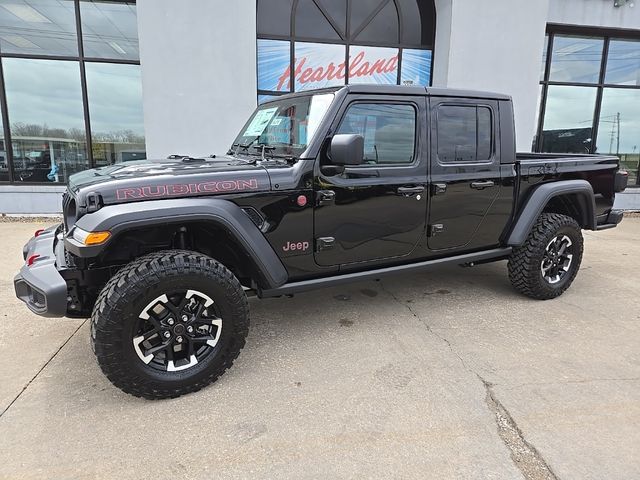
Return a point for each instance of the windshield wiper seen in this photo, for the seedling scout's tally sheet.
(244, 146)
(264, 147)
(234, 148)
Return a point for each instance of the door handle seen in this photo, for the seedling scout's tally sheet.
(408, 191)
(482, 185)
(325, 197)
(438, 188)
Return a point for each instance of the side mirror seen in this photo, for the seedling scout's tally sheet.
(347, 149)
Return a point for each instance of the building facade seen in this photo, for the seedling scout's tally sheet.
(87, 83)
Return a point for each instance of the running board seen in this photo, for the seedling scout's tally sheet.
(306, 285)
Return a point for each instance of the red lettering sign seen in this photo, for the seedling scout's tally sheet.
(358, 67)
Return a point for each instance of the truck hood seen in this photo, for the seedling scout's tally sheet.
(171, 178)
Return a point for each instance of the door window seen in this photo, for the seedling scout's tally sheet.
(464, 133)
(389, 131)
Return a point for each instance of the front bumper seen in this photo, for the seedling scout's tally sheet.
(40, 285)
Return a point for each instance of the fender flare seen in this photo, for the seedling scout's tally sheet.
(541, 196)
(124, 217)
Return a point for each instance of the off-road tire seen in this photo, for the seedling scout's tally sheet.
(118, 307)
(525, 261)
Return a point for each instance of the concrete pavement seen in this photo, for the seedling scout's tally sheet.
(449, 374)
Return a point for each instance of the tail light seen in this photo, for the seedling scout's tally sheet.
(621, 181)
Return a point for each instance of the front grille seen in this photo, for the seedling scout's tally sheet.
(68, 210)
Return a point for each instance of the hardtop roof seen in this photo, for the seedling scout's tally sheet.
(405, 90)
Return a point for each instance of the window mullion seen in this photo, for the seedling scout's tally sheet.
(8, 150)
(543, 94)
(598, 109)
(83, 86)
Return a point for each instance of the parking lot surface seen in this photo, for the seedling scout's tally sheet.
(445, 374)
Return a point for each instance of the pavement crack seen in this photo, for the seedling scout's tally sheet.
(42, 368)
(429, 329)
(524, 455)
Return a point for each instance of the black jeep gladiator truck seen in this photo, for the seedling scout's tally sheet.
(319, 188)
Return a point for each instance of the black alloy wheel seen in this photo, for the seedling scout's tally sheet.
(545, 265)
(176, 331)
(169, 323)
(557, 259)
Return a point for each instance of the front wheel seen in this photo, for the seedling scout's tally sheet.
(169, 323)
(549, 260)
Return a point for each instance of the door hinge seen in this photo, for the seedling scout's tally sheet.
(435, 229)
(324, 243)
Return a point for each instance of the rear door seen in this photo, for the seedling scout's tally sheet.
(376, 210)
(465, 173)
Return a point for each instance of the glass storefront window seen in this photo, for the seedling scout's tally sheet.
(274, 65)
(272, 22)
(38, 27)
(44, 96)
(619, 127)
(318, 65)
(576, 59)
(623, 63)
(416, 67)
(115, 108)
(322, 43)
(109, 29)
(311, 22)
(568, 119)
(44, 101)
(383, 27)
(373, 65)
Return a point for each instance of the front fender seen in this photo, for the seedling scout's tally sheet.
(121, 218)
(541, 196)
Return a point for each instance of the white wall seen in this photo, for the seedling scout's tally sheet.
(198, 62)
(493, 45)
(31, 199)
(599, 13)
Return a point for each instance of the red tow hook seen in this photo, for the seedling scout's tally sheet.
(31, 260)
(38, 232)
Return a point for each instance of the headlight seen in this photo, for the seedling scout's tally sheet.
(90, 238)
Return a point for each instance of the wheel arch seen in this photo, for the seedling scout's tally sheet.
(574, 198)
(215, 219)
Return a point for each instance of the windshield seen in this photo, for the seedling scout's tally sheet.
(284, 126)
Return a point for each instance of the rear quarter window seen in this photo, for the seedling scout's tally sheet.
(464, 133)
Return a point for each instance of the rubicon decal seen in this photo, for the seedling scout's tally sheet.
(180, 189)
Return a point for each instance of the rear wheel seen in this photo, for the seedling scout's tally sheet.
(168, 324)
(547, 263)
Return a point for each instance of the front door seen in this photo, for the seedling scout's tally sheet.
(376, 210)
(465, 174)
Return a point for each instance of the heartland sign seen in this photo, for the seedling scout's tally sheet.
(319, 65)
(309, 74)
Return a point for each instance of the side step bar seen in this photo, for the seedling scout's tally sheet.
(306, 285)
